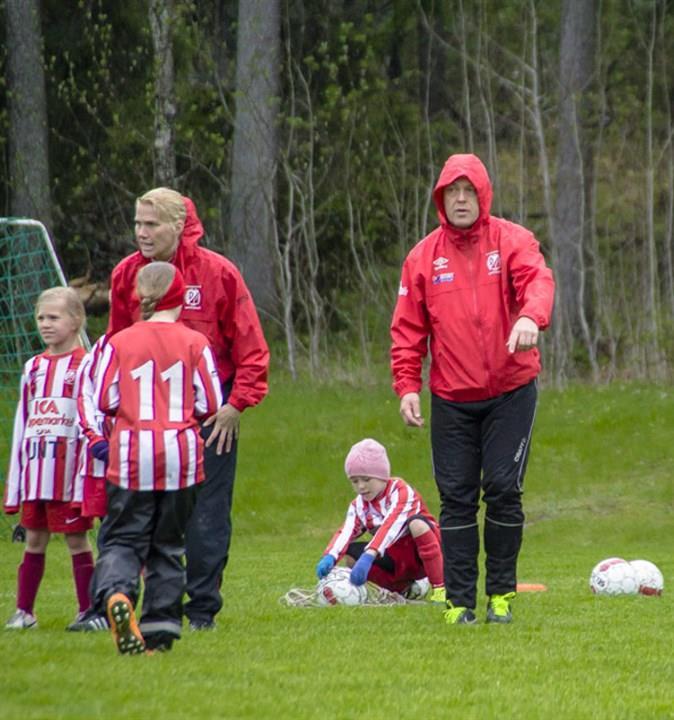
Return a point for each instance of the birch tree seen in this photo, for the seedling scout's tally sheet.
(162, 15)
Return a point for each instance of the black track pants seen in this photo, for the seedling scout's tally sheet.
(145, 530)
(209, 532)
(481, 447)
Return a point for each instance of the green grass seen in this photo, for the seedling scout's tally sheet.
(599, 484)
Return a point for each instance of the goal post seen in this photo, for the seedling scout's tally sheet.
(28, 265)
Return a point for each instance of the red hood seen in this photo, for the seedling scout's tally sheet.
(193, 230)
(472, 168)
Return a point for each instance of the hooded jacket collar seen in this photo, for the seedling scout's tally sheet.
(472, 168)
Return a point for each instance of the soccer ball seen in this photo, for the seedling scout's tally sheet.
(614, 576)
(418, 589)
(649, 577)
(336, 589)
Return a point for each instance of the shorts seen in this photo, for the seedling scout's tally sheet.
(94, 497)
(397, 567)
(54, 516)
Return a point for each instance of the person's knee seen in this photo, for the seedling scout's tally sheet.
(418, 527)
(37, 541)
(78, 543)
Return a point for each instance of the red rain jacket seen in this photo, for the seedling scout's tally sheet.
(217, 303)
(464, 289)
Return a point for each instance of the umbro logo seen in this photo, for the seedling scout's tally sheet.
(440, 263)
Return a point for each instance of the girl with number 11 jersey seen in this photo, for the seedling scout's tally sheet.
(156, 379)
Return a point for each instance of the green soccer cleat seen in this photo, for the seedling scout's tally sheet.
(498, 608)
(459, 615)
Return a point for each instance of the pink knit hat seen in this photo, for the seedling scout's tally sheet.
(368, 458)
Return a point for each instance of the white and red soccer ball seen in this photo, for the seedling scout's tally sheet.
(616, 576)
(336, 589)
(649, 577)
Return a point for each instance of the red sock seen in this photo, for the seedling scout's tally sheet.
(430, 552)
(83, 569)
(29, 578)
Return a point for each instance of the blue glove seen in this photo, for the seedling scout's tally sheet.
(361, 569)
(325, 564)
(100, 450)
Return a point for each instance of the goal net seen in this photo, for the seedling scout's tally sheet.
(28, 265)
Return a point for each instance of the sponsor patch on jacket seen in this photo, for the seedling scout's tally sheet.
(403, 290)
(443, 278)
(440, 263)
(192, 300)
(493, 263)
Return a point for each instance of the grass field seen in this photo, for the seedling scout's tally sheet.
(599, 484)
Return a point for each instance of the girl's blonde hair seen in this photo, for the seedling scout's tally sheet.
(72, 301)
(152, 282)
(168, 204)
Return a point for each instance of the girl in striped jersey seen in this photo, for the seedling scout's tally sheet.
(45, 451)
(156, 378)
(90, 482)
(405, 544)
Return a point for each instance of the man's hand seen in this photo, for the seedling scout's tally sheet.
(523, 336)
(225, 427)
(410, 409)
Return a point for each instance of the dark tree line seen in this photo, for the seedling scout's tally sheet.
(310, 134)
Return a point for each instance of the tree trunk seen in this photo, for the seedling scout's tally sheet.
(574, 167)
(162, 16)
(28, 127)
(255, 148)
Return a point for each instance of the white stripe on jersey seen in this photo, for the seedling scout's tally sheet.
(200, 392)
(145, 445)
(172, 459)
(124, 439)
(191, 437)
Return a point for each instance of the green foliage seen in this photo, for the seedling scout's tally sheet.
(374, 96)
(598, 485)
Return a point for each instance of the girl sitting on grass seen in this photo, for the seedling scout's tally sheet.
(405, 544)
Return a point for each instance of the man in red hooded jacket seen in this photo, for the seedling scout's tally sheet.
(476, 291)
(218, 304)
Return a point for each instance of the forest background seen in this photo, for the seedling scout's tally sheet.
(310, 133)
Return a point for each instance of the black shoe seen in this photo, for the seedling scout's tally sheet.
(159, 642)
(89, 621)
(202, 624)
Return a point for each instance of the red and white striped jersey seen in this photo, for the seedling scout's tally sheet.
(46, 440)
(385, 518)
(156, 379)
(92, 420)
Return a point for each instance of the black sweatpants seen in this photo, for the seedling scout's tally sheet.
(145, 529)
(481, 447)
(209, 531)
